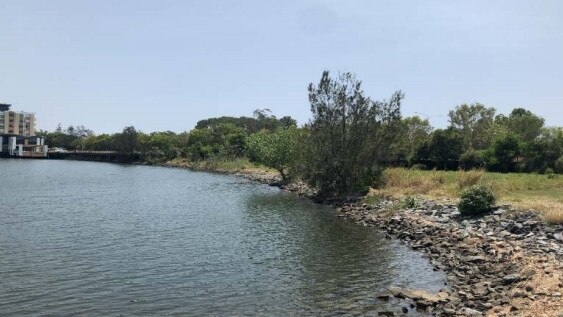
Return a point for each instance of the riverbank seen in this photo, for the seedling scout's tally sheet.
(507, 263)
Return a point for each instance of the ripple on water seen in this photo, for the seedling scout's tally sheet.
(82, 238)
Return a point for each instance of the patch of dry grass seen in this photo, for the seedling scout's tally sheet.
(552, 211)
(527, 191)
(544, 280)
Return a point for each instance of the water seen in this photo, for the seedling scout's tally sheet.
(99, 239)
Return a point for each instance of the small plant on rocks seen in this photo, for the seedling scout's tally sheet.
(476, 200)
(410, 202)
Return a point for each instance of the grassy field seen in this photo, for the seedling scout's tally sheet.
(540, 192)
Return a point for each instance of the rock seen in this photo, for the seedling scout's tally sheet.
(512, 278)
(386, 313)
(404, 309)
(487, 305)
(477, 259)
(515, 307)
(395, 291)
(516, 227)
(384, 296)
(465, 311)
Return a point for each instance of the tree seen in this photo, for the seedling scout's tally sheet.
(278, 149)
(474, 122)
(523, 123)
(504, 153)
(349, 135)
(442, 150)
(127, 141)
(544, 151)
(412, 132)
(445, 148)
(223, 139)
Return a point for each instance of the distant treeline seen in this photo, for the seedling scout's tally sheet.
(349, 139)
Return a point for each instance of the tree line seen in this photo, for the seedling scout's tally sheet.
(350, 138)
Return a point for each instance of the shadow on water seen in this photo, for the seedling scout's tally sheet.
(340, 266)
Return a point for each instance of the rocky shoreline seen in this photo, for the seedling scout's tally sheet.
(506, 263)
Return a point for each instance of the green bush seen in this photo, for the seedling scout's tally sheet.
(410, 202)
(559, 165)
(476, 200)
(548, 171)
(471, 159)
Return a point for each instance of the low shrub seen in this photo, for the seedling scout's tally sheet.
(410, 202)
(476, 200)
(559, 165)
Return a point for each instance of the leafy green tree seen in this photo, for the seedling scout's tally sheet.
(223, 139)
(200, 144)
(71, 138)
(544, 151)
(445, 148)
(127, 141)
(349, 136)
(412, 132)
(278, 149)
(102, 142)
(474, 122)
(504, 153)
(523, 123)
(263, 119)
(472, 159)
(159, 147)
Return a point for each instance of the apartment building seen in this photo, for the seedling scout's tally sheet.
(17, 123)
(17, 134)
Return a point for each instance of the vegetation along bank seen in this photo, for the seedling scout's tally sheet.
(403, 176)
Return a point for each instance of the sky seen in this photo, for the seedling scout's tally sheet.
(164, 65)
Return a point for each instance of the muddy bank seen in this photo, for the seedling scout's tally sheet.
(506, 263)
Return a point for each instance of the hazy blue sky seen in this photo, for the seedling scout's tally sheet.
(164, 65)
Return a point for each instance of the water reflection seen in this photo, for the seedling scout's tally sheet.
(339, 266)
(106, 239)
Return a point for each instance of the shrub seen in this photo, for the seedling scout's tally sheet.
(476, 200)
(549, 171)
(410, 202)
(559, 165)
(471, 159)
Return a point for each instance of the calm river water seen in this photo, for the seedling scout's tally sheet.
(99, 239)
